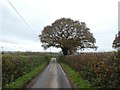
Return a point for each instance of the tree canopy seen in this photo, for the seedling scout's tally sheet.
(67, 34)
(116, 42)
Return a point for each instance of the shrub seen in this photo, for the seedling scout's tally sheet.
(100, 69)
(18, 64)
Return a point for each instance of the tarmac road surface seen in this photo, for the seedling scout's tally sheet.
(52, 77)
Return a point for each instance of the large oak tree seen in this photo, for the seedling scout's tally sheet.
(67, 34)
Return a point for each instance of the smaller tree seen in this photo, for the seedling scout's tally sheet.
(116, 42)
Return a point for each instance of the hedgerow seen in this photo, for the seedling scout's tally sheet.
(15, 65)
(102, 70)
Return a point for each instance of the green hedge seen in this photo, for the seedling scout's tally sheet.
(23, 80)
(75, 77)
(16, 65)
(102, 70)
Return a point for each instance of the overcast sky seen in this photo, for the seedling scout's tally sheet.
(101, 16)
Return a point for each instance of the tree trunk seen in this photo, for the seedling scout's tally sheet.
(65, 51)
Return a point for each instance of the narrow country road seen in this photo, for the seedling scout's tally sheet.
(52, 77)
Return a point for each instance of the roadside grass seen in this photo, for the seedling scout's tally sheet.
(23, 80)
(75, 77)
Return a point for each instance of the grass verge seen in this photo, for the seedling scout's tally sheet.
(23, 80)
(75, 77)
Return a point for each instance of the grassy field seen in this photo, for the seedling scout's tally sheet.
(20, 67)
(101, 70)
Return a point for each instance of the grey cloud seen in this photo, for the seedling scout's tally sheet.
(38, 14)
(14, 27)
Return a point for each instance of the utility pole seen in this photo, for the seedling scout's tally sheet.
(2, 50)
(1, 72)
